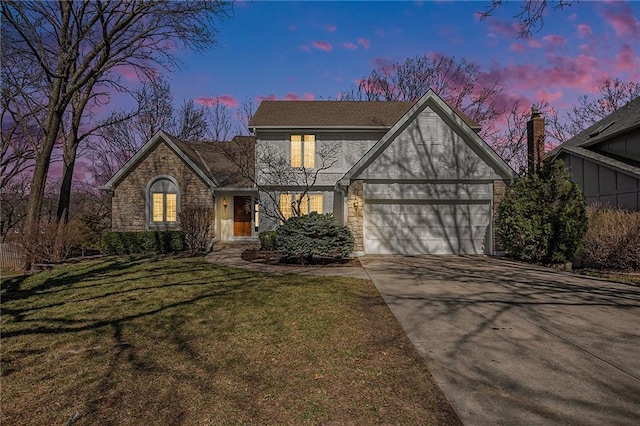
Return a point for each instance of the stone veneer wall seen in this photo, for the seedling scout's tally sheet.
(499, 189)
(355, 219)
(128, 202)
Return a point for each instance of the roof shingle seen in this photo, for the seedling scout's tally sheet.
(338, 114)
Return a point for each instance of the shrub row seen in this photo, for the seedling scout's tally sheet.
(149, 242)
(612, 240)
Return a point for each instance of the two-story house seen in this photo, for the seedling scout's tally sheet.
(406, 177)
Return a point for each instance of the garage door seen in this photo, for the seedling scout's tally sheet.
(426, 228)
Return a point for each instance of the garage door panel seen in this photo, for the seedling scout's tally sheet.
(426, 228)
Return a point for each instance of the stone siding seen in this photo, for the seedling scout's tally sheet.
(128, 202)
(499, 189)
(355, 217)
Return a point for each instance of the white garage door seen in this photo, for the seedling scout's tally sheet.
(425, 228)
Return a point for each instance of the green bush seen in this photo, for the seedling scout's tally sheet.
(148, 242)
(612, 241)
(314, 237)
(267, 240)
(542, 217)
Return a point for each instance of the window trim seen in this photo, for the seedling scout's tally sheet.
(149, 222)
(303, 158)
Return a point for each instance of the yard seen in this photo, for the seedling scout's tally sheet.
(181, 341)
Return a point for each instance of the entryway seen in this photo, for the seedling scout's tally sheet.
(242, 215)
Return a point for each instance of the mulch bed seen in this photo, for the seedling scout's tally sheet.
(275, 258)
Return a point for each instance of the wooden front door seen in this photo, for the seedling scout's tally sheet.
(242, 216)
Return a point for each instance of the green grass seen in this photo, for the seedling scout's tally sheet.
(181, 341)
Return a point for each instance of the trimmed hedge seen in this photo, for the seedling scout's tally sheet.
(314, 237)
(148, 242)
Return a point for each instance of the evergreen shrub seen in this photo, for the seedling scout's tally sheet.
(267, 240)
(542, 217)
(314, 237)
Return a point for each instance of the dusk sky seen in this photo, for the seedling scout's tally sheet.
(315, 50)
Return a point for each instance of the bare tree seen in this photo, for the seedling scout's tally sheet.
(458, 82)
(124, 133)
(271, 173)
(612, 95)
(191, 122)
(220, 122)
(530, 18)
(79, 46)
(243, 116)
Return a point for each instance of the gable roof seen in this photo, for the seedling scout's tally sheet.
(333, 114)
(430, 99)
(622, 120)
(209, 160)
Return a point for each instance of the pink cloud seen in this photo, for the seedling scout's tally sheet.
(505, 27)
(626, 60)
(127, 72)
(549, 97)
(305, 47)
(349, 46)
(381, 62)
(517, 47)
(322, 45)
(270, 97)
(554, 39)
(621, 18)
(364, 42)
(331, 28)
(292, 27)
(226, 100)
(292, 96)
(535, 43)
(584, 30)
(573, 16)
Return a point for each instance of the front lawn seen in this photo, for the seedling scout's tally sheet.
(179, 341)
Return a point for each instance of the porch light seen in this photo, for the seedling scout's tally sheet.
(356, 204)
(225, 203)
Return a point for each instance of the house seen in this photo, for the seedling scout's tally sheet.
(167, 176)
(405, 177)
(605, 158)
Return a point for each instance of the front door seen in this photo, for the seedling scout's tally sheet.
(242, 216)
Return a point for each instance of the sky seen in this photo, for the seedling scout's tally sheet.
(315, 50)
(318, 49)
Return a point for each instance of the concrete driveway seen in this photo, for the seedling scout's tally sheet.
(516, 344)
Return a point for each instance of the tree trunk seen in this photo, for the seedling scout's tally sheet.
(64, 200)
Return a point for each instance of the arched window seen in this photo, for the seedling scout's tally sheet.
(163, 199)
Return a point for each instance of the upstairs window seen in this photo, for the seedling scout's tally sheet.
(163, 202)
(303, 151)
(310, 203)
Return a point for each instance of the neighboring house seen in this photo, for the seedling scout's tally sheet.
(605, 158)
(406, 177)
(167, 176)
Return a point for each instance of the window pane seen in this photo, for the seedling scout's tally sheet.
(172, 214)
(304, 205)
(285, 205)
(257, 216)
(310, 151)
(296, 151)
(157, 207)
(315, 204)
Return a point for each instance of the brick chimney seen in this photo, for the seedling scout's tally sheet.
(535, 140)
